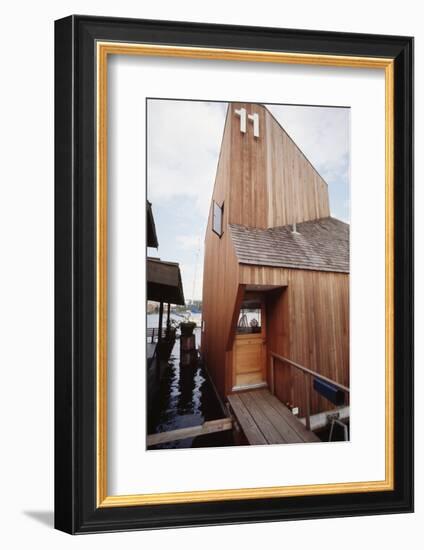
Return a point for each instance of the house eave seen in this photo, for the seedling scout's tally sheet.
(293, 266)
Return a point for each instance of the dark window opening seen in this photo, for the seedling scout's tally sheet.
(217, 218)
(249, 321)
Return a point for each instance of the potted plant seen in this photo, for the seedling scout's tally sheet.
(187, 328)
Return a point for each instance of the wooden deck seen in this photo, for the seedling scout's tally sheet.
(266, 421)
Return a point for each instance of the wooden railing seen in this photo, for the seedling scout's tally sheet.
(308, 376)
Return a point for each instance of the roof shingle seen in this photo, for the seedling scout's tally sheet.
(321, 245)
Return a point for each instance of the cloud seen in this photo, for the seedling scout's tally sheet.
(189, 242)
(184, 138)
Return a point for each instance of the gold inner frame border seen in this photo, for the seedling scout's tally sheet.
(103, 50)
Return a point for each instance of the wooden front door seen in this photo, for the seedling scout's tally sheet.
(249, 351)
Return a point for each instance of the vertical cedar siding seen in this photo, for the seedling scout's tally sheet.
(220, 281)
(295, 190)
(308, 323)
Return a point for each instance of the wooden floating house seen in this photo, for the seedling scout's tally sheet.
(164, 285)
(276, 278)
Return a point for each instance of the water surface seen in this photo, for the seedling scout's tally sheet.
(186, 398)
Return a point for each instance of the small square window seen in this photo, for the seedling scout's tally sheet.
(217, 218)
(249, 321)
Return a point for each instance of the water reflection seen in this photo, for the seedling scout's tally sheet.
(186, 398)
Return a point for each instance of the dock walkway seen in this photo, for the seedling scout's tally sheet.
(266, 421)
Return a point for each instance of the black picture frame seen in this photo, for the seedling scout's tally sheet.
(76, 509)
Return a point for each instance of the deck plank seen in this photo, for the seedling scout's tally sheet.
(279, 422)
(306, 435)
(266, 421)
(248, 425)
(271, 434)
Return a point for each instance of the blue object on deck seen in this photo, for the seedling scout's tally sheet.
(330, 392)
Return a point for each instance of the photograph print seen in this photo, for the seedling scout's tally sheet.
(247, 248)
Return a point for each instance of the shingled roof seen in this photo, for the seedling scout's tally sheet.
(321, 245)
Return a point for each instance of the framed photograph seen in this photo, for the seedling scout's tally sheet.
(234, 269)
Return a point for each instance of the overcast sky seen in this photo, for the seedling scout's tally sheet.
(183, 142)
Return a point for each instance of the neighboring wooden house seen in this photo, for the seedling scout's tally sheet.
(276, 268)
(164, 284)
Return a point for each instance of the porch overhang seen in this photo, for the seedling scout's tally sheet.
(164, 282)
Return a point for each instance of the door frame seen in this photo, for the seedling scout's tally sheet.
(263, 335)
